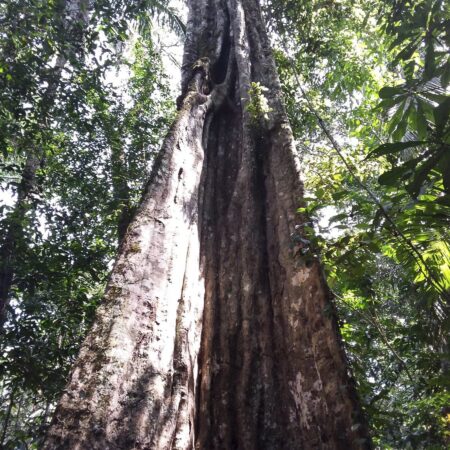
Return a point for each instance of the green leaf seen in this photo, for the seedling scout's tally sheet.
(444, 168)
(407, 51)
(441, 115)
(394, 176)
(393, 147)
(400, 131)
(422, 171)
(420, 122)
(444, 200)
(396, 118)
(338, 217)
(339, 195)
(428, 110)
(390, 91)
(445, 77)
(430, 62)
(433, 96)
(388, 103)
(399, 39)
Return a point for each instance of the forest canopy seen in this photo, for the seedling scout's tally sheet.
(87, 95)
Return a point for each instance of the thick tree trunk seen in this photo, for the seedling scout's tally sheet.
(215, 333)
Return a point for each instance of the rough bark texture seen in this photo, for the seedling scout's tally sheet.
(215, 333)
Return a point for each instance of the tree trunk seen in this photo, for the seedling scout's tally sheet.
(7, 416)
(119, 176)
(215, 333)
(75, 18)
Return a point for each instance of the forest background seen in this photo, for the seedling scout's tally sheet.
(85, 102)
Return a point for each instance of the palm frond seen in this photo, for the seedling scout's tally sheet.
(164, 14)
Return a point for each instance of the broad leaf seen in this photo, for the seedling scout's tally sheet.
(394, 176)
(441, 115)
(393, 147)
(390, 91)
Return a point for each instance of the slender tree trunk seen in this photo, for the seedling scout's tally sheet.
(121, 191)
(14, 231)
(75, 18)
(122, 201)
(215, 333)
(7, 417)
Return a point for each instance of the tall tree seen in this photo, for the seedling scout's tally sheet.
(216, 331)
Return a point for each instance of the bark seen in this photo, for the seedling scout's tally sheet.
(7, 416)
(215, 333)
(75, 17)
(121, 192)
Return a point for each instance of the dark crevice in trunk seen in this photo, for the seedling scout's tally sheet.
(219, 175)
(220, 66)
(270, 394)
